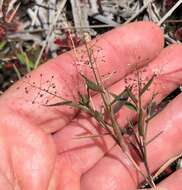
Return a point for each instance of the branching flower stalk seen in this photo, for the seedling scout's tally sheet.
(108, 107)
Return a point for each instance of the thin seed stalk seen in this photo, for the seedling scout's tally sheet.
(107, 104)
(152, 184)
(145, 159)
(142, 131)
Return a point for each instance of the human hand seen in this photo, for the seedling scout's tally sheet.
(38, 146)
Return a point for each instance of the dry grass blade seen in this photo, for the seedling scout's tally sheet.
(139, 12)
(17, 71)
(1, 5)
(90, 136)
(60, 103)
(169, 13)
(46, 43)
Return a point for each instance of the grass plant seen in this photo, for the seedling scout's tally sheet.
(131, 97)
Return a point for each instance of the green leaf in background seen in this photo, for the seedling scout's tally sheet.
(21, 58)
(2, 45)
(24, 59)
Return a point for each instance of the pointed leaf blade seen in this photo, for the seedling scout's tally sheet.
(92, 85)
(148, 84)
(60, 103)
(131, 106)
(131, 95)
(84, 100)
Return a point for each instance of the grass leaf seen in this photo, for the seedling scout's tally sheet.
(24, 60)
(92, 85)
(71, 104)
(123, 96)
(119, 100)
(60, 103)
(98, 116)
(84, 100)
(2, 45)
(131, 106)
(21, 58)
(131, 95)
(146, 87)
(151, 109)
(117, 106)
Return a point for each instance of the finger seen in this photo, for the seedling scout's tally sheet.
(136, 43)
(167, 145)
(84, 149)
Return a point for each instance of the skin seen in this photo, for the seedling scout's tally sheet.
(38, 145)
